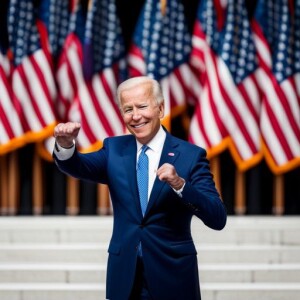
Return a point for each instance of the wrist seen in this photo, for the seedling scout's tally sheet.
(62, 147)
(65, 145)
(178, 185)
(179, 191)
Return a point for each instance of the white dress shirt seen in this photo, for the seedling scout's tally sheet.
(154, 154)
(63, 153)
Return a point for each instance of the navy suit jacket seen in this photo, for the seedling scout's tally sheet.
(169, 254)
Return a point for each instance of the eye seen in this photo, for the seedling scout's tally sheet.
(144, 106)
(127, 110)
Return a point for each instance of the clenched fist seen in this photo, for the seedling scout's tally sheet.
(167, 172)
(65, 133)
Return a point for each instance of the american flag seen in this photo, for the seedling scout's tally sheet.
(11, 131)
(160, 49)
(55, 15)
(104, 64)
(69, 74)
(32, 77)
(277, 35)
(227, 113)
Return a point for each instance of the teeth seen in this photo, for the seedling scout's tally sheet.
(138, 126)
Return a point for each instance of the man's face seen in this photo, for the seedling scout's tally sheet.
(140, 112)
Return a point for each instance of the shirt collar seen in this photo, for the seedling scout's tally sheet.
(156, 143)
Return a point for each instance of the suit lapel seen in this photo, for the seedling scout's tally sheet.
(129, 155)
(169, 155)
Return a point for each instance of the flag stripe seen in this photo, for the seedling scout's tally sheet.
(103, 60)
(273, 100)
(41, 86)
(251, 96)
(231, 117)
(136, 62)
(160, 49)
(8, 133)
(20, 87)
(278, 129)
(90, 111)
(69, 74)
(280, 115)
(278, 154)
(245, 128)
(33, 85)
(34, 90)
(8, 114)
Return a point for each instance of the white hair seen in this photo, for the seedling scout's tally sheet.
(135, 81)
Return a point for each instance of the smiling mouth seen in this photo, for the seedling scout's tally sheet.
(139, 125)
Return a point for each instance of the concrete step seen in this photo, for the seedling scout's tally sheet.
(210, 291)
(51, 291)
(47, 258)
(52, 273)
(59, 253)
(96, 273)
(97, 253)
(249, 273)
(250, 291)
(239, 230)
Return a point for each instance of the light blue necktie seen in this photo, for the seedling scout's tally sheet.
(142, 178)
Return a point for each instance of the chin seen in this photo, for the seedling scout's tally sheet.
(142, 139)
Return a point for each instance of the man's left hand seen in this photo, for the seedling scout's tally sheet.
(167, 173)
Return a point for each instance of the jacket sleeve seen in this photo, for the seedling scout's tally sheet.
(89, 166)
(201, 196)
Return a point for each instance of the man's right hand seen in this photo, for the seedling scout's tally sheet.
(66, 133)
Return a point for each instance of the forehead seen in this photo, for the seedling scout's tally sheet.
(141, 91)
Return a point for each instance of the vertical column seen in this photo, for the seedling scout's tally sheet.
(72, 196)
(278, 195)
(240, 193)
(3, 185)
(37, 185)
(13, 183)
(215, 170)
(104, 207)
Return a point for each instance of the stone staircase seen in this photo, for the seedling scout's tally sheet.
(64, 258)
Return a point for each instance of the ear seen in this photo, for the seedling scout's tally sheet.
(161, 108)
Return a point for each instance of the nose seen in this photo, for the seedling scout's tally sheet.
(135, 114)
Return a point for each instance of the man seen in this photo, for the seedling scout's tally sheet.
(151, 252)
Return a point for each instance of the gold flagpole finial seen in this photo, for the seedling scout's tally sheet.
(163, 6)
(90, 3)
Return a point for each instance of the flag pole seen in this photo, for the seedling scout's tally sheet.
(240, 193)
(3, 184)
(72, 196)
(278, 195)
(103, 200)
(38, 186)
(13, 183)
(215, 170)
(163, 6)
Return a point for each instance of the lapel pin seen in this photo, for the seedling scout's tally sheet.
(171, 154)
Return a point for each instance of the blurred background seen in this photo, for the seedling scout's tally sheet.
(230, 74)
(229, 70)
